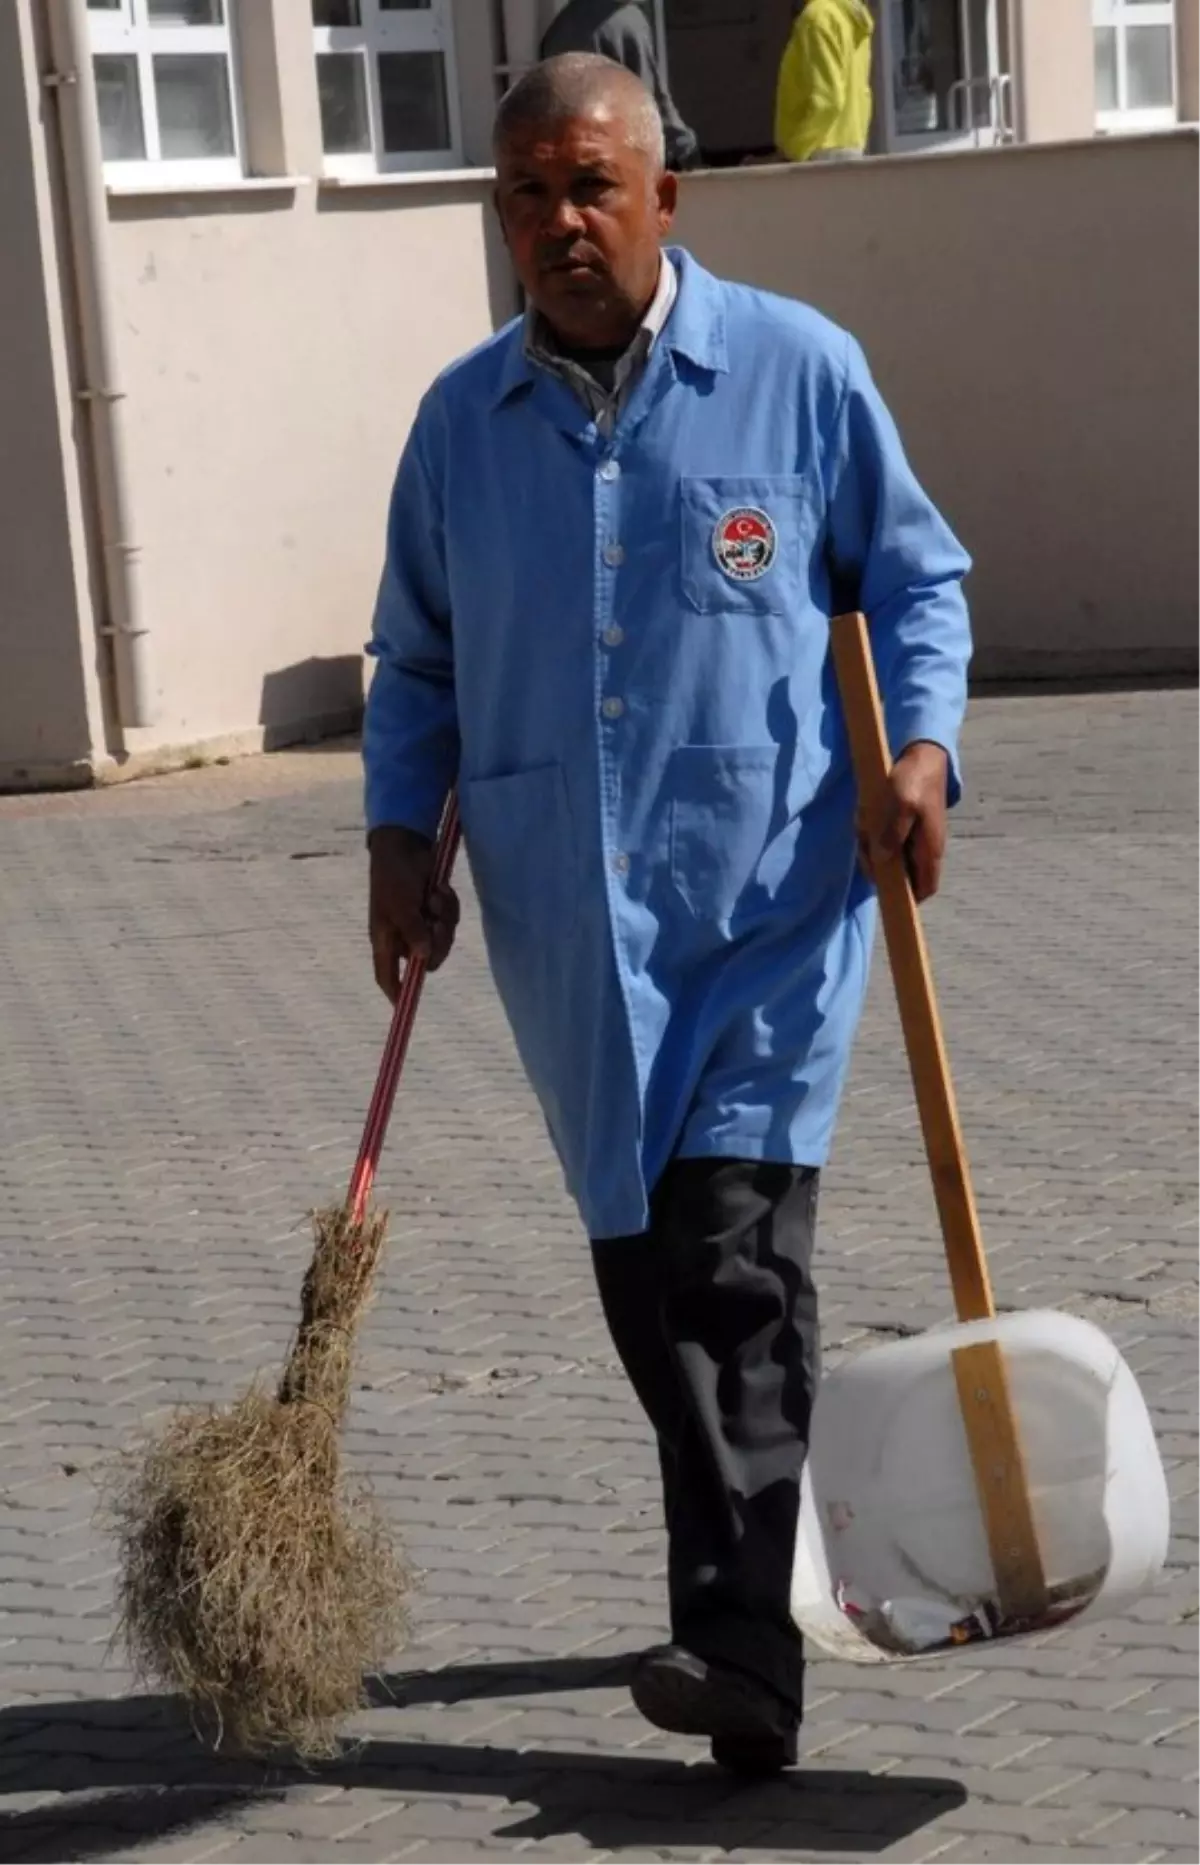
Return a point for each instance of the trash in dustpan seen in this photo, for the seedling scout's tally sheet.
(893, 1559)
(991, 1480)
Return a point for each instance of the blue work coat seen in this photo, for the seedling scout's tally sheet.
(620, 649)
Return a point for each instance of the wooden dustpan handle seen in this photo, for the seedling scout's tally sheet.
(979, 1369)
(909, 959)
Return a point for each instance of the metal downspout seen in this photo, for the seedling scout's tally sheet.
(123, 623)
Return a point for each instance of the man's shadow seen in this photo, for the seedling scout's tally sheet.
(131, 1771)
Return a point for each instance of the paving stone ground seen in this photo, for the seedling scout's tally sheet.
(188, 1037)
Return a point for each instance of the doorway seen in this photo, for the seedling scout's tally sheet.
(941, 77)
(722, 60)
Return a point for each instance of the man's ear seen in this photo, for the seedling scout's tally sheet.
(668, 195)
(499, 215)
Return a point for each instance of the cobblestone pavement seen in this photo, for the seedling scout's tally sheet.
(189, 1034)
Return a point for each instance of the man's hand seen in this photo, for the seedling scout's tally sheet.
(408, 917)
(914, 818)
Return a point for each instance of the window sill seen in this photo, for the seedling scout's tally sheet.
(126, 188)
(406, 178)
(1135, 122)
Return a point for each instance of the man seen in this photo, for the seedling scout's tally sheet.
(823, 99)
(617, 533)
(621, 30)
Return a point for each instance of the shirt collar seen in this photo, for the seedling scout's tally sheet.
(663, 302)
(698, 324)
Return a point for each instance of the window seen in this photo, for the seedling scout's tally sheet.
(1135, 63)
(386, 80)
(165, 86)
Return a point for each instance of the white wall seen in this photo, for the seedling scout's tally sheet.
(274, 358)
(274, 351)
(1031, 315)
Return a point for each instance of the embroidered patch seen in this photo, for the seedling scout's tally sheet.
(744, 543)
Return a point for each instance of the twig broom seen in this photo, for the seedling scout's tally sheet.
(255, 1578)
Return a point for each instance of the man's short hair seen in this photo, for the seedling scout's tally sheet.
(582, 84)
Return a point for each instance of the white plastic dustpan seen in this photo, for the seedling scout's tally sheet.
(987, 1480)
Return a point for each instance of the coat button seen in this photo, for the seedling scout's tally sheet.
(620, 864)
(613, 708)
(613, 636)
(614, 554)
(610, 470)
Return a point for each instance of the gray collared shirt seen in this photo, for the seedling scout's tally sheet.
(605, 398)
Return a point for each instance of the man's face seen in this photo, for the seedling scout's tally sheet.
(583, 214)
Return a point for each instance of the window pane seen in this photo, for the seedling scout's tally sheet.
(194, 115)
(1106, 68)
(104, 6)
(1148, 67)
(185, 12)
(412, 90)
(342, 85)
(405, 6)
(336, 13)
(119, 100)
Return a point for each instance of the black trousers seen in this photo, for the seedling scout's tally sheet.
(714, 1314)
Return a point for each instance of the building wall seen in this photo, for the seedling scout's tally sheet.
(1051, 48)
(1030, 313)
(49, 695)
(1031, 317)
(273, 341)
(1187, 59)
(274, 357)
(274, 351)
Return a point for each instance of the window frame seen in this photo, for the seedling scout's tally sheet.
(1121, 16)
(426, 30)
(128, 31)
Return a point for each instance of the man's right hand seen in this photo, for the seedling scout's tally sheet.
(408, 917)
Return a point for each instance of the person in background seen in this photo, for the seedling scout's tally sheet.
(823, 100)
(621, 30)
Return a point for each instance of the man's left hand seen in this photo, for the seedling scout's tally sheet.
(913, 819)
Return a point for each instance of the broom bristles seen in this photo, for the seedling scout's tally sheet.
(255, 1579)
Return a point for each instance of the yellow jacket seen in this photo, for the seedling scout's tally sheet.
(823, 100)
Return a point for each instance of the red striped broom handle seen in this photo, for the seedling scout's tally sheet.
(396, 1047)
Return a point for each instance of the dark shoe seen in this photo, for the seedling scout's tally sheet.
(751, 1726)
(756, 1760)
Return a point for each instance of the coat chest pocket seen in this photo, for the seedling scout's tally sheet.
(746, 543)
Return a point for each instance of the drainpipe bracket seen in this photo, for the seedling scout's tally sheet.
(54, 80)
(111, 632)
